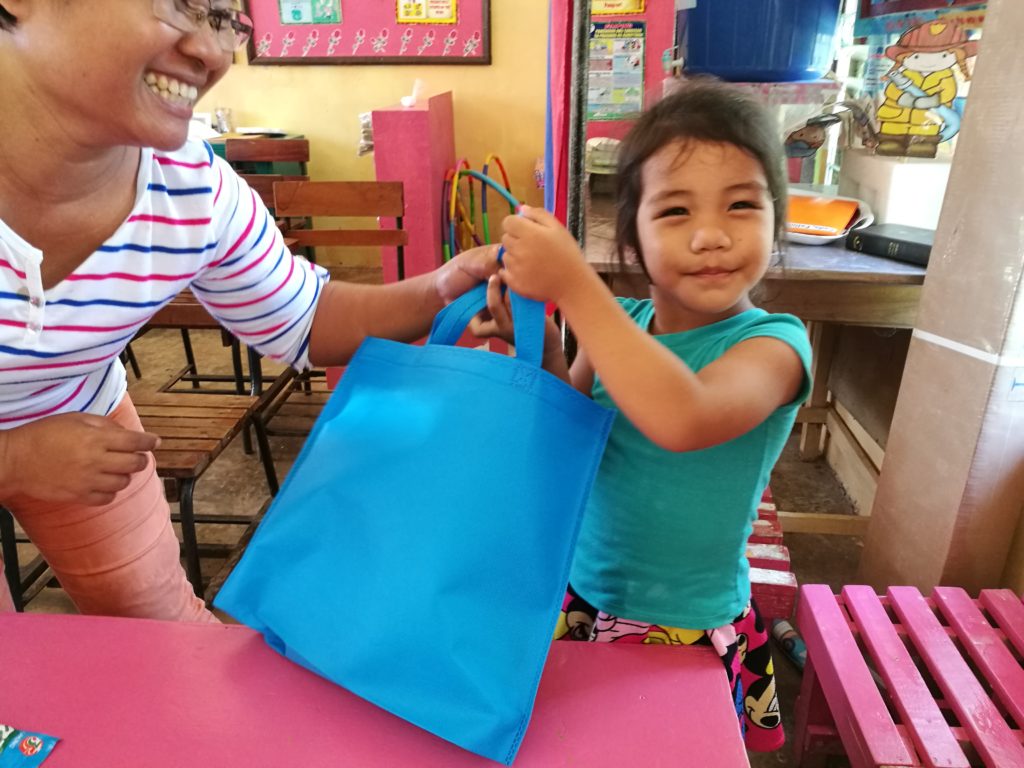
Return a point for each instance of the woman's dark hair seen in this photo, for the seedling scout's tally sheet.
(6, 20)
(706, 110)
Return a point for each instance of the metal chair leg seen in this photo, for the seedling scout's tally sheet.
(190, 358)
(268, 460)
(12, 570)
(188, 534)
(128, 357)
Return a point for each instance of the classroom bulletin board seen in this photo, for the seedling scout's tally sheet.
(370, 31)
(874, 8)
(888, 18)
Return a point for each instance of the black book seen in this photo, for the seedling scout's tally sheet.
(893, 241)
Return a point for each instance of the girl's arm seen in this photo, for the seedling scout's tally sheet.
(581, 372)
(675, 408)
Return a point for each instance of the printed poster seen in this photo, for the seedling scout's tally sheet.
(426, 11)
(615, 7)
(310, 11)
(615, 90)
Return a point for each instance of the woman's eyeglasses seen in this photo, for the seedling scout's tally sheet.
(232, 28)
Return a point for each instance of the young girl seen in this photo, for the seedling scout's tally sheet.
(708, 386)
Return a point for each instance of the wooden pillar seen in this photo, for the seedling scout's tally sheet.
(952, 486)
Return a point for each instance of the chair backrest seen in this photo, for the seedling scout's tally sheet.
(263, 185)
(294, 199)
(342, 199)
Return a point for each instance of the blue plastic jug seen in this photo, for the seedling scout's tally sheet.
(759, 40)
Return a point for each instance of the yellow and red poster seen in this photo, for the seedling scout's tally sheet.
(426, 11)
(616, 7)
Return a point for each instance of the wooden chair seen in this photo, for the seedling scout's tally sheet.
(24, 582)
(263, 185)
(194, 429)
(334, 199)
(344, 199)
(902, 680)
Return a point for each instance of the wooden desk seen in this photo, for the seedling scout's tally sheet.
(829, 286)
(826, 286)
(824, 283)
(133, 692)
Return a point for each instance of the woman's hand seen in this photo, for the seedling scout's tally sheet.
(73, 457)
(542, 260)
(464, 271)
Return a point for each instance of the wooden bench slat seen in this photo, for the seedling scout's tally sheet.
(188, 412)
(302, 410)
(927, 728)
(201, 400)
(181, 464)
(983, 644)
(161, 423)
(862, 719)
(189, 444)
(1008, 611)
(324, 198)
(206, 402)
(774, 557)
(990, 735)
(313, 238)
(766, 532)
(774, 591)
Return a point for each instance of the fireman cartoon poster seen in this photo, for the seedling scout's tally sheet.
(919, 74)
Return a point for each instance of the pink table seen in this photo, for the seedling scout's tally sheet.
(124, 692)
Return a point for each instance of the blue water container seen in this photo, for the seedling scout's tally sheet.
(759, 40)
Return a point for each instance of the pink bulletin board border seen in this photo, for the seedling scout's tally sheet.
(871, 9)
(467, 41)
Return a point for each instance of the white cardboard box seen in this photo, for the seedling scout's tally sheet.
(900, 190)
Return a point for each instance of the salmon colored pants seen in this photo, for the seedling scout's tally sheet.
(118, 559)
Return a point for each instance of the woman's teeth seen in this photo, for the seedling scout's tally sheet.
(172, 90)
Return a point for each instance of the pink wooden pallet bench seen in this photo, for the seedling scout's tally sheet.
(772, 582)
(902, 680)
(133, 692)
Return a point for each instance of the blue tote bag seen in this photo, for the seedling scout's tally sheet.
(419, 549)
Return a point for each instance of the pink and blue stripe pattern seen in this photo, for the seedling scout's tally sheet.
(194, 223)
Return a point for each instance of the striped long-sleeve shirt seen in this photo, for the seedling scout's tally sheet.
(194, 223)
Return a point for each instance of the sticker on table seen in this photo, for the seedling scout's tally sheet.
(426, 11)
(310, 11)
(1017, 385)
(24, 749)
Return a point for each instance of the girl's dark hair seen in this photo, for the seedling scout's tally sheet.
(6, 20)
(707, 110)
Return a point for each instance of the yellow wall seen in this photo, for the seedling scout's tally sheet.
(498, 108)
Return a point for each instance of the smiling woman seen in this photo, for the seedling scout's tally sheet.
(233, 28)
(107, 212)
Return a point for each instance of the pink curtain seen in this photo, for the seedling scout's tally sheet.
(556, 153)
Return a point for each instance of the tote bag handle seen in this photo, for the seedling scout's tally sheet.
(527, 322)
